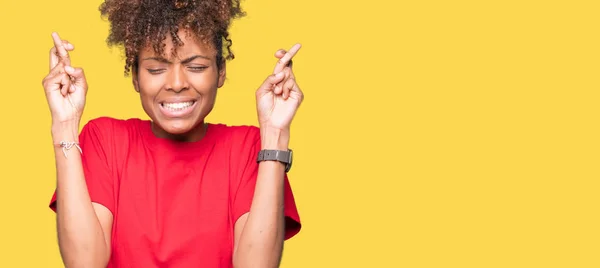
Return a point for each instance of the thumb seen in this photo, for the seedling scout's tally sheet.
(77, 77)
(76, 73)
(271, 81)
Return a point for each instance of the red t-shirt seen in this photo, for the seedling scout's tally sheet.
(174, 204)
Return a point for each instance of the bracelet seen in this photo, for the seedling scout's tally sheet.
(67, 145)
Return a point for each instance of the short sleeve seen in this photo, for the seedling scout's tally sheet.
(94, 143)
(248, 175)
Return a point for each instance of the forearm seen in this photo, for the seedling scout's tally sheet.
(261, 241)
(80, 236)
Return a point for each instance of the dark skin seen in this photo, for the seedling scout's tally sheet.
(191, 76)
(187, 84)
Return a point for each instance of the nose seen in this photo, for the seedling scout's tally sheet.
(177, 80)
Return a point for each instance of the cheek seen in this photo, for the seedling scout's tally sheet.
(149, 86)
(205, 85)
(148, 89)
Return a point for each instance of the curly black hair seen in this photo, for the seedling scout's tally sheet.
(135, 24)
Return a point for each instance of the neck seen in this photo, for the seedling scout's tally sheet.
(195, 134)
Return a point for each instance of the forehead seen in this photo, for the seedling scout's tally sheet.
(192, 45)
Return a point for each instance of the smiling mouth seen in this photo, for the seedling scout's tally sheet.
(177, 106)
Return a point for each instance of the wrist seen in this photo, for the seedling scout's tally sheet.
(274, 139)
(65, 131)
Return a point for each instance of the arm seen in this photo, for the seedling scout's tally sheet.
(83, 227)
(259, 234)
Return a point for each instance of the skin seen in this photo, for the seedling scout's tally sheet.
(84, 228)
(192, 75)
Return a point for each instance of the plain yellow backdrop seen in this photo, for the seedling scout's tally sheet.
(433, 134)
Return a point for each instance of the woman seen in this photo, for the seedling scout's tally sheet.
(173, 191)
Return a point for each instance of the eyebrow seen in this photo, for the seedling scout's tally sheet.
(185, 61)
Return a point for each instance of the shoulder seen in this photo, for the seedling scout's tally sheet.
(240, 139)
(108, 130)
(238, 133)
(107, 124)
(105, 121)
(109, 137)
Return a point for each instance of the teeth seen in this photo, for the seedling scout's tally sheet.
(178, 105)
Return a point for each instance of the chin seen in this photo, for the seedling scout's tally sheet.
(177, 127)
(178, 124)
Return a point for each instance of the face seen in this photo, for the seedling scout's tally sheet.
(178, 92)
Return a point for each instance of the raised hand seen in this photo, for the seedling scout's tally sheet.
(279, 97)
(65, 86)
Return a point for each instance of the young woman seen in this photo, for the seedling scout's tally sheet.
(175, 190)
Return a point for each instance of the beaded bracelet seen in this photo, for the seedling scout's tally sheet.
(67, 145)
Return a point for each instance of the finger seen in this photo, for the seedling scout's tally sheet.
(279, 88)
(61, 52)
(298, 93)
(56, 72)
(76, 73)
(290, 72)
(58, 69)
(283, 62)
(76, 76)
(280, 53)
(53, 82)
(288, 87)
(65, 84)
(60, 81)
(68, 46)
(53, 58)
(71, 72)
(49, 80)
(58, 44)
(271, 81)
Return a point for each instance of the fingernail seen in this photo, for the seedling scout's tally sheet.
(279, 75)
(69, 69)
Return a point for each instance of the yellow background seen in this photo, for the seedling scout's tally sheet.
(433, 134)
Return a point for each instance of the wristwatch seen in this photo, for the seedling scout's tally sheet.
(277, 155)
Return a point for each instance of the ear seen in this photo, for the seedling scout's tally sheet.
(134, 78)
(222, 74)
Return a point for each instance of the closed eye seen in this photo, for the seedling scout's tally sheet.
(155, 71)
(197, 69)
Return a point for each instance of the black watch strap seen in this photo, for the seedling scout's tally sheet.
(276, 155)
